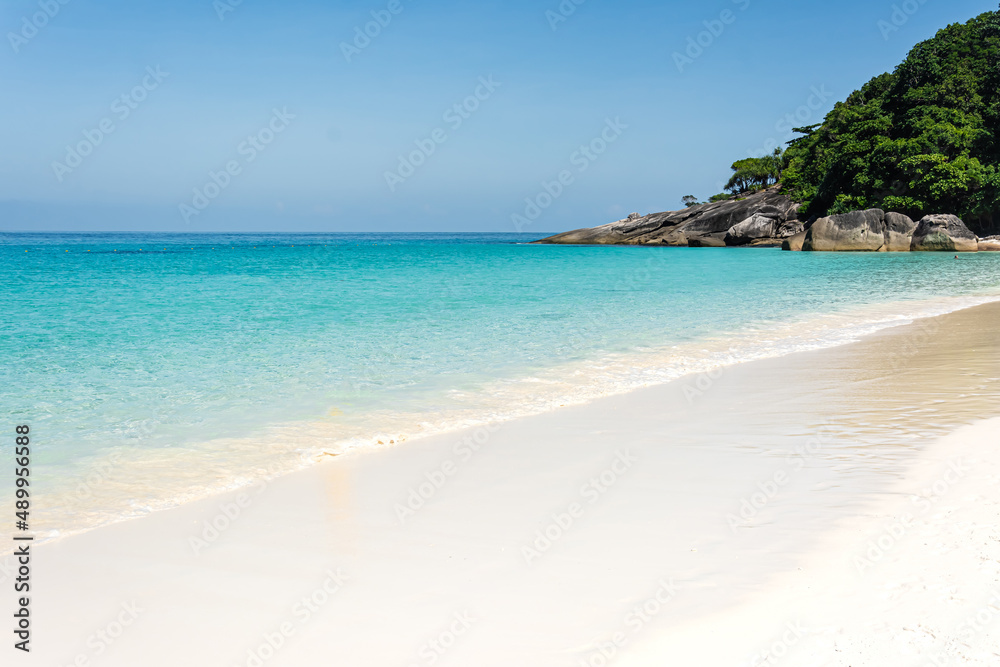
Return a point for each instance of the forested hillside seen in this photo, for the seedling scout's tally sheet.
(922, 139)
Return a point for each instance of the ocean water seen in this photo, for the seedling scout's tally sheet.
(154, 369)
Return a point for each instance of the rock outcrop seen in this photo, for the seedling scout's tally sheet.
(790, 228)
(989, 244)
(898, 232)
(688, 226)
(858, 231)
(794, 242)
(707, 241)
(943, 232)
(769, 219)
(755, 227)
(873, 230)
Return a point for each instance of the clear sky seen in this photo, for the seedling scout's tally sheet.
(118, 112)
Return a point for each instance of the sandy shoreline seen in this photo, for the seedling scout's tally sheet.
(686, 524)
(129, 480)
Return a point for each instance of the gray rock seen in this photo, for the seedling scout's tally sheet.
(943, 233)
(755, 227)
(794, 242)
(989, 244)
(773, 212)
(670, 227)
(898, 232)
(672, 238)
(857, 231)
(789, 229)
(707, 241)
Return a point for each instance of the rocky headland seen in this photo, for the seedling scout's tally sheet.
(765, 217)
(771, 219)
(921, 140)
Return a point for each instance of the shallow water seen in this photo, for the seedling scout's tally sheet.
(155, 369)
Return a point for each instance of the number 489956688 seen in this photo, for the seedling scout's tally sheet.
(22, 459)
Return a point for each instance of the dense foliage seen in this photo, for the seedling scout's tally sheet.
(752, 174)
(923, 139)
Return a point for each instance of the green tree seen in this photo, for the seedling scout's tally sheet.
(752, 174)
(922, 139)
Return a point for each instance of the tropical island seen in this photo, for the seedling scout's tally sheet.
(911, 161)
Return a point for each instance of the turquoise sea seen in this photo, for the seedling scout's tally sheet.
(158, 368)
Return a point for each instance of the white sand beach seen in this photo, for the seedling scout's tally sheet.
(835, 507)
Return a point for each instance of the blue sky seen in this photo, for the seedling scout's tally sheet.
(253, 115)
